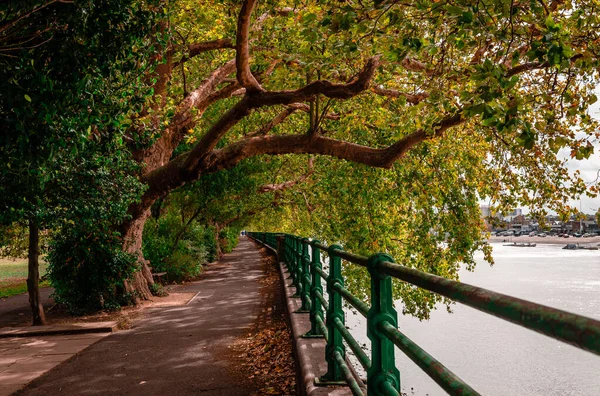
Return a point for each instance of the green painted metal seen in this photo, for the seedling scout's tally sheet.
(348, 377)
(322, 273)
(287, 261)
(322, 300)
(316, 291)
(353, 344)
(318, 244)
(305, 277)
(383, 379)
(296, 268)
(436, 370)
(389, 390)
(360, 306)
(322, 328)
(336, 311)
(383, 366)
(353, 258)
(573, 329)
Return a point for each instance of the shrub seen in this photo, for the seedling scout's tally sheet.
(185, 264)
(87, 269)
(182, 259)
(228, 239)
(206, 235)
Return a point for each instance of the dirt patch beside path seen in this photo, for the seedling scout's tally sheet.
(266, 351)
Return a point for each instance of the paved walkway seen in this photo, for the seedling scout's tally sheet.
(10, 304)
(23, 359)
(173, 351)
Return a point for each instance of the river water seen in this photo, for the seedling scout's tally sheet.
(499, 358)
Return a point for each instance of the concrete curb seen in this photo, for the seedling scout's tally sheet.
(69, 329)
(309, 353)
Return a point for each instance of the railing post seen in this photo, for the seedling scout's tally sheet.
(336, 311)
(383, 371)
(288, 255)
(280, 248)
(296, 274)
(316, 288)
(304, 278)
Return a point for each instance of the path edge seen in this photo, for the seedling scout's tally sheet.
(308, 353)
(58, 329)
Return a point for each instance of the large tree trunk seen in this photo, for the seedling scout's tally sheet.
(219, 252)
(139, 284)
(160, 153)
(33, 275)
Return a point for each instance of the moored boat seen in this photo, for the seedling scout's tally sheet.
(576, 246)
(521, 244)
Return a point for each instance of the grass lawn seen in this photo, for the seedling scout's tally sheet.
(13, 276)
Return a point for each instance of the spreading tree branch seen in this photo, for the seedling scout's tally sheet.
(242, 48)
(199, 48)
(283, 115)
(205, 159)
(291, 183)
(260, 99)
(185, 116)
(392, 93)
(203, 96)
(303, 144)
(321, 87)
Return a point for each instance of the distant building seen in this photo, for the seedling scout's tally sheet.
(485, 211)
(590, 226)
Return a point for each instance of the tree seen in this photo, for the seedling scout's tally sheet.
(61, 109)
(230, 198)
(512, 80)
(435, 103)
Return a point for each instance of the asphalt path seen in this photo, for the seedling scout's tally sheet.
(19, 302)
(182, 350)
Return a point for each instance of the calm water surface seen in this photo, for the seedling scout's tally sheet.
(500, 358)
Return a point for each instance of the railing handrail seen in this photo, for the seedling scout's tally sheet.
(582, 332)
(573, 329)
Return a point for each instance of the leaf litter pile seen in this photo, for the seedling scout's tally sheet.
(266, 352)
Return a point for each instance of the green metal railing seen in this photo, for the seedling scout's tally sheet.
(383, 378)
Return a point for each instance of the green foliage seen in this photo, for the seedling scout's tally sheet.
(519, 76)
(228, 239)
(14, 241)
(56, 89)
(158, 290)
(182, 258)
(185, 263)
(87, 265)
(209, 241)
(87, 268)
(70, 76)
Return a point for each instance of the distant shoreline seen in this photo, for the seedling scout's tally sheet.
(546, 240)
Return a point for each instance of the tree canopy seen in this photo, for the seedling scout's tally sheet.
(382, 124)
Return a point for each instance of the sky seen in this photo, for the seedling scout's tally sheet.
(589, 168)
(589, 172)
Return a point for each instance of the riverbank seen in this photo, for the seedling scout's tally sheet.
(593, 241)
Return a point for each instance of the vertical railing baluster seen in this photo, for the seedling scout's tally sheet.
(334, 313)
(304, 277)
(280, 248)
(316, 311)
(288, 255)
(383, 367)
(296, 267)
